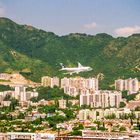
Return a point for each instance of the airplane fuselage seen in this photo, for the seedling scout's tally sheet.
(76, 70)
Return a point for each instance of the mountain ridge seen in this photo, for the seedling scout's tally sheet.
(40, 52)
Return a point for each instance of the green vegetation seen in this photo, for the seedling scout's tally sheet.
(124, 94)
(93, 128)
(49, 93)
(76, 133)
(47, 109)
(127, 96)
(13, 104)
(4, 88)
(122, 104)
(111, 116)
(138, 124)
(7, 98)
(98, 123)
(77, 130)
(137, 108)
(35, 53)
(131, 97)
(130, 116)
(122, 129)
(15, 125)
(10, 122)
(2, 80)
(102, 128)
(68, 115)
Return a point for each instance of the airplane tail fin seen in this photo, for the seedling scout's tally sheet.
(79, 65)
(62, 65)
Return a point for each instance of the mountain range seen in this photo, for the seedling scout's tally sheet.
(35, 53)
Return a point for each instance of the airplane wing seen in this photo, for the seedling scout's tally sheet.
(69, 73)
(72, 72)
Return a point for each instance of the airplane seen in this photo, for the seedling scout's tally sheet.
(77, 70)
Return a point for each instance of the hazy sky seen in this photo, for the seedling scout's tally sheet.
(115, 17)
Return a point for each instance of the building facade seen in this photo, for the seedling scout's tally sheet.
(131, 85)
(101, 98)
(50, 81)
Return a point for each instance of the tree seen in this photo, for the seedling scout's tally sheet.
(122, 104)
(34, 99)
(102, 128)
(14, 103)
(37, 121)
(68, 103)
(30, 108)
(138, 124)
(21, 116)
(128, 97)
(77, 130)
(29, 89)
(7, 98)
(137, 108)
(49, 93)
(5, 88)
(85, 106)
(55, 120)
(80, 126)
(132, 116)
(111, 116)
(76, 133)
(98, 124)
(69, 114)
(124, 94)
(93, 128)
(122, 129)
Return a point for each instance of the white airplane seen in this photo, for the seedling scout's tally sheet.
(77, 70)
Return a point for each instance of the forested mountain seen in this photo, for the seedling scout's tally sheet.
(35, 53)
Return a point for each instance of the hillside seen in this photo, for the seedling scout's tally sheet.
(35, 53)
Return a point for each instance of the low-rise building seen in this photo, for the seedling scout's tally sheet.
(45, 102)
(73, 102)
(5, 103)
(99, 114)
(5, 76)
(29, 136)
(34, 115)
(133, 104)
(62, 103)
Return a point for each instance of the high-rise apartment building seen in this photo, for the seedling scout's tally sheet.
(22, 95)
(50, 81)
(71, 91)
(132, 85)
(20, 92)
(80, 83)
(103, 98)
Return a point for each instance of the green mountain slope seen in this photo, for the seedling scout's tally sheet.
(35, 53)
